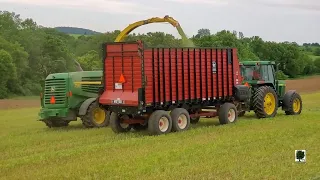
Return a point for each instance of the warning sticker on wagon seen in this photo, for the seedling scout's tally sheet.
(118, 85)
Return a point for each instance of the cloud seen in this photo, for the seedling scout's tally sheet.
(297, 4)
(108, 6)
(211, 2)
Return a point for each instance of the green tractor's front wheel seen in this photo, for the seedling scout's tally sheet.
(265, 102)
(96, 116)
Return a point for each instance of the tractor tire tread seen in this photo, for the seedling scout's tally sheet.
(290, 105)
(258, 101)
(87, 120)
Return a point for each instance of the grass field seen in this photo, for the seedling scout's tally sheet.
(314, 57)
(249, 149)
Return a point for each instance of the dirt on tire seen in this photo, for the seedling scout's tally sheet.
(307, 85)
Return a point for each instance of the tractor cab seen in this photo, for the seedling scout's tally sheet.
(258, 73)
(261, 71)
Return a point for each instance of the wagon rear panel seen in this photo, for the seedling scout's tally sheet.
(122, 74)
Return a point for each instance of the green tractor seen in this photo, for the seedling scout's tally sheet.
(267, 93)
(68, 96)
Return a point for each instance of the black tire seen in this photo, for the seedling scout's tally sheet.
(180, 124)
(242, 113)
(194, 120)
(139, 127)
(259, 102)
(56, 123)
(115, 124)
(292, 103)
(89, 120)
(155, 122)
(228, 113)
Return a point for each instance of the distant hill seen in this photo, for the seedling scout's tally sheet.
(76, 30)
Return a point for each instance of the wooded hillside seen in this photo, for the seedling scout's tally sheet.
(76, 30)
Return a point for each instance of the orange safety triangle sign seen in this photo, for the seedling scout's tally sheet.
(52, 100)
(121, 79)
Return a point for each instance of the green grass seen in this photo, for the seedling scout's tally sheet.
(313, 57)
(249, 149)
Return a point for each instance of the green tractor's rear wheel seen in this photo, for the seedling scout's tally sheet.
(96, 116)
(292, 103)
(265, 102)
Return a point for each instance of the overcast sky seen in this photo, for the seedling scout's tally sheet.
(273, 20)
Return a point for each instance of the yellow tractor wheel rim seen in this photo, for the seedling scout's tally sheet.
(296, 105)
(99, 115)
(269, 103)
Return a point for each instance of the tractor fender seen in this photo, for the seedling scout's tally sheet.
(84, 106)
(287, 98)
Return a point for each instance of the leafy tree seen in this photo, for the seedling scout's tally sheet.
(90, 61)
(317, 51)
(7, 72)
(310, 67)
(317, 65)
(203, 32)
(281, 76)
(241, 36)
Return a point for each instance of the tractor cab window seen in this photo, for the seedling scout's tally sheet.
(262, 73)
(250, 73)
(267, 72)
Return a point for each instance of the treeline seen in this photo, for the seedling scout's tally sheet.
(29, 52)
(312, 48)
